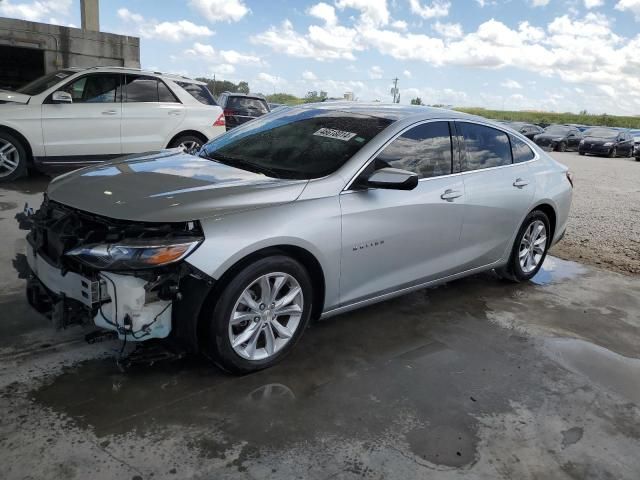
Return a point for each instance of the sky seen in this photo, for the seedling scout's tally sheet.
(554, 55)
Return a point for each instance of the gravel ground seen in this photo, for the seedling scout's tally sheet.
(604, 226)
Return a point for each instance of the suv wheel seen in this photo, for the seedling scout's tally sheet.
(13, 158)
(529, 249)
(260, 315)
(189, 143)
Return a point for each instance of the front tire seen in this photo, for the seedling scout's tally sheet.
(260, 315)
(529, 249)
(13, 158)
(613, 153)
(562, 147)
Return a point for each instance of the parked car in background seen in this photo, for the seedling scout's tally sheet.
(76, 117)
(240, 108)
(273, 106)
(606, 141)
(636, 143)
(529, 130)
(559, 138)
(222, 257)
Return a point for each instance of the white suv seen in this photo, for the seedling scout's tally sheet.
(76, 117)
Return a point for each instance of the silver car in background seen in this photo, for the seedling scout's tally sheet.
(303, 213)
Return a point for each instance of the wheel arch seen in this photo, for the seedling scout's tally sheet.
(195, 133)
(302, 255)
(22, 138)
(550, 211)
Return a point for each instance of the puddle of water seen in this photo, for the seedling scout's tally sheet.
(603, 367)
(555, 270)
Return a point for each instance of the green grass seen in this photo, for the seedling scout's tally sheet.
(549, 117)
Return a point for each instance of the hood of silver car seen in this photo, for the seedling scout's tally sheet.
(170, 186)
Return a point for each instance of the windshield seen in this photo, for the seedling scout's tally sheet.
(296, 143)
(41, 84)
(557, 130)
(601, 133)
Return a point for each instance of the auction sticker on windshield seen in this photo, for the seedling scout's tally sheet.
(337, 134)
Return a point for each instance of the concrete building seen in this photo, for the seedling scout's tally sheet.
(29, 49)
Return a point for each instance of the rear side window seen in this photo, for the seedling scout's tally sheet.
(255, 105)
(485, 147)
(147, 89)
(521, 151)
(200, 92)
(425, 150)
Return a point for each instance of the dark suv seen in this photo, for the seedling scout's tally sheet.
(559, 138)
(606, 141)
(239, 108)
(529, 130)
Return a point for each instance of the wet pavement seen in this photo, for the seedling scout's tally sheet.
(474, 379)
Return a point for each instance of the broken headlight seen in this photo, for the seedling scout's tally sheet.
(135, 254)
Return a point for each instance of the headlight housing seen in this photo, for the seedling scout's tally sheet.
(608, 144)
(135, 254)
(581, 142)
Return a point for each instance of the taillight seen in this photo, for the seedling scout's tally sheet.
(229, 112)
(570, 178)
(220, 122)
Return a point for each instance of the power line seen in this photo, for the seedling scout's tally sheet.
(395, 92)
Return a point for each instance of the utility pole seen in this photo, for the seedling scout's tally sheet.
(395, 92)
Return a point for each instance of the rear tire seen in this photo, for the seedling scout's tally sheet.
(190, 143)
(13, 158)
(266, 336)
(581, 153)
(529, 248)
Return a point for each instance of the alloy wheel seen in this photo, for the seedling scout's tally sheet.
(266, 316)
(532, 246)
(9, 158)
(190, 146)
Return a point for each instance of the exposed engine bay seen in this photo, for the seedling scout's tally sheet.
(123, 276)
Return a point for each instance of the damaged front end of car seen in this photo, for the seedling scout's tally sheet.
(125, 277)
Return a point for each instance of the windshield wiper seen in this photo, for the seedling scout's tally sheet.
(239, 162)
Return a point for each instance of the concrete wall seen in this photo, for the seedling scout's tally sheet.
(71, 47)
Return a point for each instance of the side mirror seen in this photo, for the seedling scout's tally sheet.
(61, 97)
(390, 179)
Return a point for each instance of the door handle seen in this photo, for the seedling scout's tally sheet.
(450, 195)
(110, 112)
(173, 112)
(520, 183)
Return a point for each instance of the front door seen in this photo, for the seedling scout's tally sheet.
(393, 239)
(88, 127)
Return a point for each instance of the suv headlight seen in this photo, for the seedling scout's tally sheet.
(608, 144)
(135, 254)
(581, 142)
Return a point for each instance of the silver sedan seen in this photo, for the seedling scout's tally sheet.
(306, 212)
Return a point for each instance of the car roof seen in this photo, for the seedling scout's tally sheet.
(139, 71)
(391, 111)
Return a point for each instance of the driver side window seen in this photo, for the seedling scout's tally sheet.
(424, 150)
(98, 88)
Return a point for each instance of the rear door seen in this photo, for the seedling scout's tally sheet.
(498, 192)
(393, 238)
(151, 114)
(90, 126)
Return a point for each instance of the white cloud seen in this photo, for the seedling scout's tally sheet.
(539, 3)
(593, 3)
(375, 72)
(220, 10)
(172, 31)
(34, 11)
(222, 69)
(270, 79)
(225, 57)
(407, 74)
(437, 8)
(237, 58)
(511, 84)
(320, 43)
(630, 5)
(399, 25)
(372, 12)
(324, 12)
(308, 75)
(448, 30)
(201, 50)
